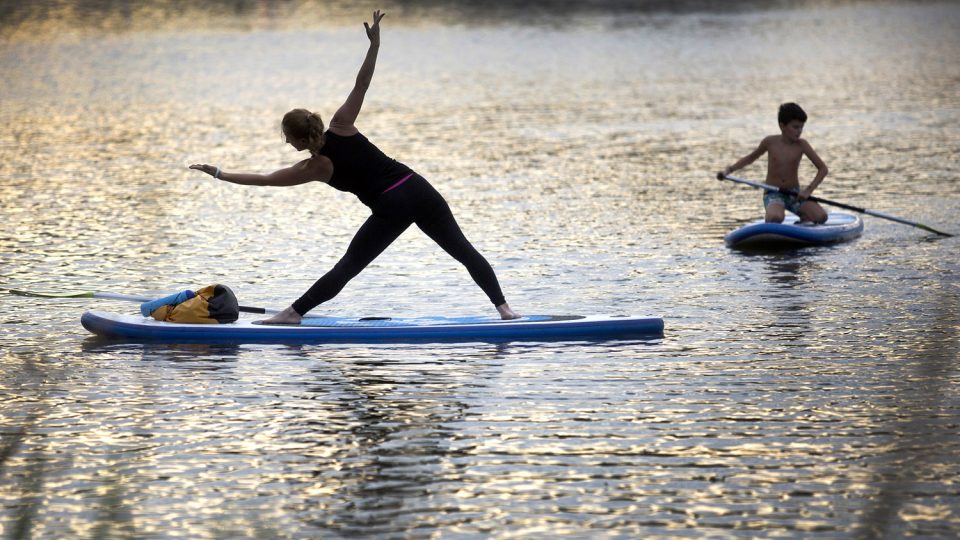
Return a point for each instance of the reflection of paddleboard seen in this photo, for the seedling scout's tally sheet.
(318, 330)
(758, 235)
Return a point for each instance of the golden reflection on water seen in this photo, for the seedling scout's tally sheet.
(800, 392)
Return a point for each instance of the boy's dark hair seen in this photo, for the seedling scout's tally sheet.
(790, 112)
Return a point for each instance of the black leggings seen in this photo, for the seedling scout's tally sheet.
(415, 201)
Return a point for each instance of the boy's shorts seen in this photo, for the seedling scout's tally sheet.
(790, 202)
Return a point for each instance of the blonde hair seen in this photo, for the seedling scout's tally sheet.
(303, 124)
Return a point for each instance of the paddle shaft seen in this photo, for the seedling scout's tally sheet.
(118, 296)
(874, 213)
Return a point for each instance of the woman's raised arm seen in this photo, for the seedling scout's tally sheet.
(343, 120)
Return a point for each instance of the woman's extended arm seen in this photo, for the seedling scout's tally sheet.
(343, 120)
(305, 171)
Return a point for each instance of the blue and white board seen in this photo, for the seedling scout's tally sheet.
(839, 227)
(318, 330)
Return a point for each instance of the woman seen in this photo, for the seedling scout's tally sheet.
(396, 195)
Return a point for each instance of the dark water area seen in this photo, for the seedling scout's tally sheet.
(803, 393)
(39, 17)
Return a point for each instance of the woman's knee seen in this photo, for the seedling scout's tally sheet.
(348, 267)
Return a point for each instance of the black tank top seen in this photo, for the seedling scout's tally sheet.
(361, 168)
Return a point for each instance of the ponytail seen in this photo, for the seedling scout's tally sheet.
(303, 124)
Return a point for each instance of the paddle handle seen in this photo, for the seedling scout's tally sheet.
(119, 296)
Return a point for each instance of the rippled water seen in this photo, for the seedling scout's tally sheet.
(797, 393)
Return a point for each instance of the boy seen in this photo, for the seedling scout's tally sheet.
(784, 152)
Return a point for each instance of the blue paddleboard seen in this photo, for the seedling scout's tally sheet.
(839, 227)
(334, 329)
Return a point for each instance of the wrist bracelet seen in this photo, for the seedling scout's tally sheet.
(217, 174)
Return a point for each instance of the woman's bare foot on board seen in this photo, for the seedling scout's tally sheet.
(506, 313)
(287, 316)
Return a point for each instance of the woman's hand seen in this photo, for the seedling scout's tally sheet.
(373, 32)
(212, 170)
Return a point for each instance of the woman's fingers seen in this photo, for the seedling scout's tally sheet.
(375, 27)
(203, 167)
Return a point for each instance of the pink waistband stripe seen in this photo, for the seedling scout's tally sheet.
(402, 180)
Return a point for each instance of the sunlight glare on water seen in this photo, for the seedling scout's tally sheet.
(798, 393)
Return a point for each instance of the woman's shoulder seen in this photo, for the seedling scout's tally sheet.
(319, 167)
(343, 131)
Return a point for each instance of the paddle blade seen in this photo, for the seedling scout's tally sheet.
(934, 231)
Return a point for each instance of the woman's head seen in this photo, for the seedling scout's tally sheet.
(304, 130)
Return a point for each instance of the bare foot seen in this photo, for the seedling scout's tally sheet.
(506, 313)
(287, 316)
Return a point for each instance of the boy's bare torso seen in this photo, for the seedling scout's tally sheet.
(783, 162)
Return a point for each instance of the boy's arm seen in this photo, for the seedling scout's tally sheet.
(818, 163)
(747, 159)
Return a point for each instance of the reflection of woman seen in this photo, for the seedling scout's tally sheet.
(397, 196)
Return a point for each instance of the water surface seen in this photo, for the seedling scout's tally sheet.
(797, 393)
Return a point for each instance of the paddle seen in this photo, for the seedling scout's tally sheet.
(768, 187)
(118, 296)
